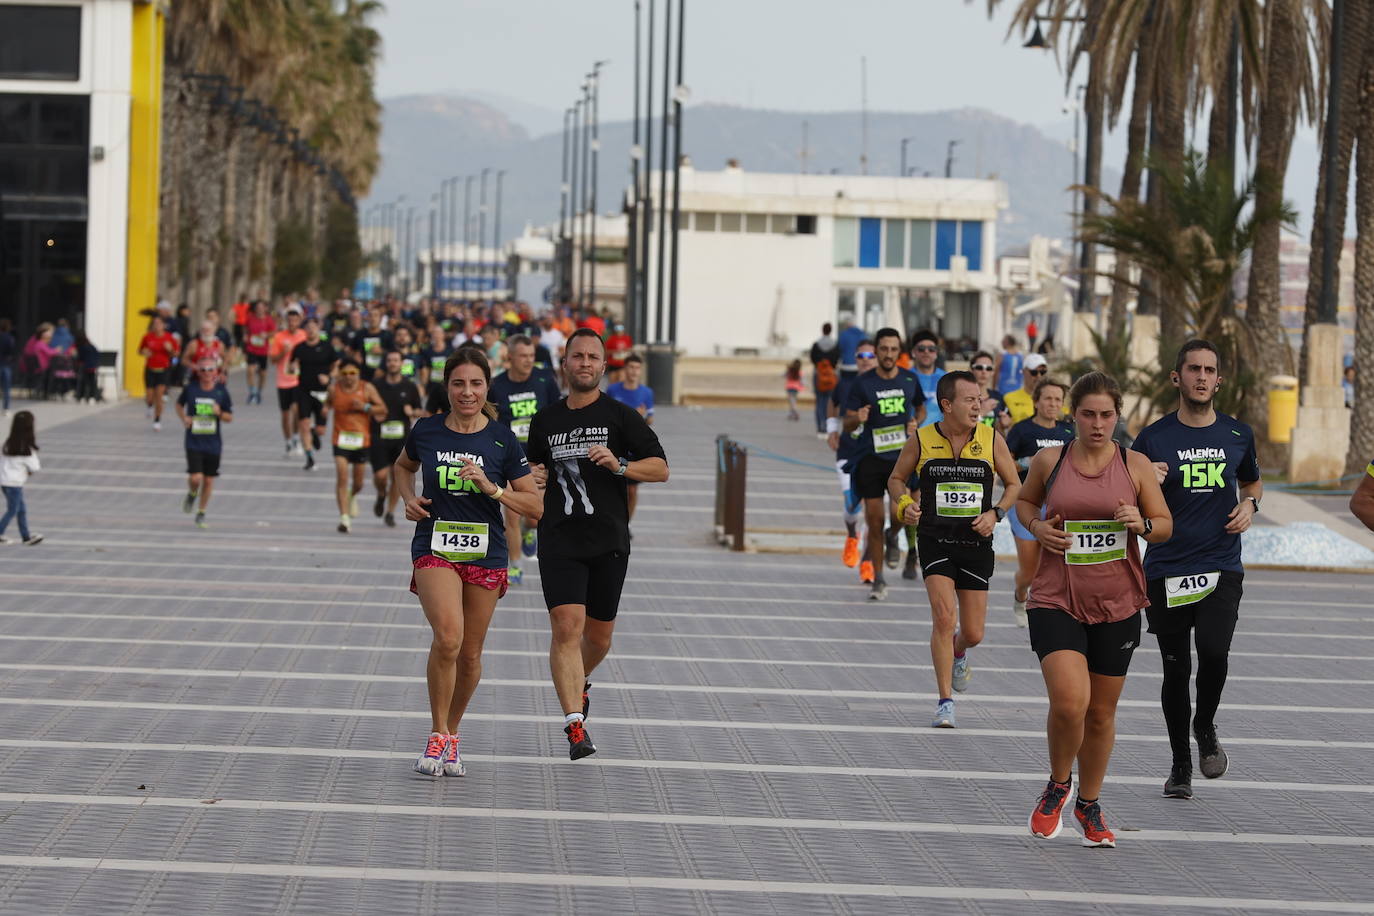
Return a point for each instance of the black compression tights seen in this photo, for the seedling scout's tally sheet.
(1213, 638)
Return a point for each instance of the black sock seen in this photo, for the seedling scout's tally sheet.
(850, 529)
(1084, 803)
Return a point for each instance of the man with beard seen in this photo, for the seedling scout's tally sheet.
(1194, 579)
(588, 446)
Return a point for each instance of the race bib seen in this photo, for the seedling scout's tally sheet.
(320, 396)
(373, 359)
(1095, 542)
(394, 429)
(889, 438)
(958, 500)
(459, 542)
(257, 340)
(1183, 590)
(349, 442)
(204, 426)
(407, 368)
(437, 363)
(521, 428)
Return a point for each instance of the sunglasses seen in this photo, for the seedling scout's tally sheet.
(981, 367)
(927, 349)
(349, 372)
(1036, 371)
(867, 354)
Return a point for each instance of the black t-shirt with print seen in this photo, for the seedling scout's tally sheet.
(586, 509)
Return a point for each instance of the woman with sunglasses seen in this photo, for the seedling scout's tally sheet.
(982, 366)
(355, 404)
(472, 466)
(203, 405)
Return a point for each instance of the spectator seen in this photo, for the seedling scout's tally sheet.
(88, 368)
(62, 339)
(792, 383)
(1009, 364)
(618, 347)
(850, 336)
(826, 349)
(8, 349)
(1032, 332)
(1348, 383)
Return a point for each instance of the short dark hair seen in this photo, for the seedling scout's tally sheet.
(866, 342)
(634, 358)
(982, 353)
(887, 332)
(519, 340)
(925, 334)
(1049, 383)
(584, 332)
(826, 329)
(1197, 343)
(944, 389)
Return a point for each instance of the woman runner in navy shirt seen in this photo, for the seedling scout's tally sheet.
(471, 465)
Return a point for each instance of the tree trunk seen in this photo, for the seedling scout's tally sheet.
(1094, 100)
(1362, 419)
(1167, 139)
(1137, 135)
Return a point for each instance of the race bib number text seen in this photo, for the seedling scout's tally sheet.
(1095, 542)
(459, 542)
(1184, 590)
(958, 500)
(889, 438)
(349, 442)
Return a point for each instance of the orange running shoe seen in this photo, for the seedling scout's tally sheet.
(1046, 820)
(866, 571)
(851, 552)
(1095, 832)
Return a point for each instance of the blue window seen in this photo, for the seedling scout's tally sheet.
(971, 244)
(870, 242)
(946, 242)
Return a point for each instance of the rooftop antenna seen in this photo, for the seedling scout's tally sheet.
(806, 145)
(863, 108)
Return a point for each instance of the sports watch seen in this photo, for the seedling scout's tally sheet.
(623, 464)
(1000, 512)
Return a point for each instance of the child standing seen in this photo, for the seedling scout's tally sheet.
(792, 381)
(18, 459)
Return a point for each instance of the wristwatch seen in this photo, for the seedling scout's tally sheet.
(1149, 526)
(623, 464)
(1001, 513)
(1254, 502)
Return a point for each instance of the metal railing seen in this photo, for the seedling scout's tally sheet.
(732, 462)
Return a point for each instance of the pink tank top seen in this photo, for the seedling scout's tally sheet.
(1099, 579)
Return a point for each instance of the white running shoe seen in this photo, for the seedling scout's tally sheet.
(157, 426)
(453, 764)
(431, 762)
(1018, 610)
(345, 524)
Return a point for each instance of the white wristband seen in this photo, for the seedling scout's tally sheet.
(832, 424)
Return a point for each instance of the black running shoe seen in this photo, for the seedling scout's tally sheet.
(579, 742)
(909, 570)
(1180, 781)
(586, 699)
(894, 550)
(309, 462)
(1211, 757)
(379, 507)
(390, 520)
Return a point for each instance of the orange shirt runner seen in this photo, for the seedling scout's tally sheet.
(353, 427)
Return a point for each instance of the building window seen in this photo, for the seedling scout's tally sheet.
(729, 222)
(870, 241)
(920, 245)
(781, 223)
(684, 219)
(846, 240)
(895, 244)
(756, 222)
(706, 222)
(946, 242)
(806, 224)
(971, 244)
(40, 42)
(845, 304)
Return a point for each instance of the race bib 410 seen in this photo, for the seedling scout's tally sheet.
(1183, 590)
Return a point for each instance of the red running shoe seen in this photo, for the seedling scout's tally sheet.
(866, 571)
(579, 742)
(1046, 820)
(850, 556)
(1095, 832)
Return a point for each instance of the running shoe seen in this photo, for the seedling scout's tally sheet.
(961, 674)
(1018, 610)
(529, 544)
(1046, 819)
(879, 591)
(189, 502)
(579, 742)
(909, 568)
(353, 504)
(431, 762)
(390, 520)
(379, 507)
(309, 461)
(453, 764)
(866, 571)
(586, 699)
(515, 576)
(289, 451)
(345, 524)
(850, 555)
(893, 555)
(1180, 781)
(200, 520)
(157, 426)
(1211, 757)
(33, 539)
(1095, 832)
(315, 438)
(944, 715)
(6, 541)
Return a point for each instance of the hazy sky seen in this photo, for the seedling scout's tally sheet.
(923, 55)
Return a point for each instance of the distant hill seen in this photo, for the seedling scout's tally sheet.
(427, 138)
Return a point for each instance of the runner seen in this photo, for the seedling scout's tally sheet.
(886, 402)
(435, 355)
(204, 404)
(367, 345)
(354, 403)
(955, 460)
(619, 346)
(1362, 501)
(259, 329)
(1008, 365)
(982, 368)
(631, 393)
(1020, 403)
(519, 393)
(1047, 428)
(404, 344)
(585, 444)
(403, 405)
(1088, 590)
(849, 448)
(279, 350)
(204, 347)
(313, 360)
(160, 348)
(1195, 580)
(472, 467)
(925, 350)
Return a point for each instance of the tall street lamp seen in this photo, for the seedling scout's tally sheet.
(679, 96)
(905, 141)
(663, 170)
(646, 225)
(561, 245)
(482, 225)
(632, 262)
(594, 79)
(496, 236)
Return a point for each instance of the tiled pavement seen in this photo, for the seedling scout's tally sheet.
(224, 720)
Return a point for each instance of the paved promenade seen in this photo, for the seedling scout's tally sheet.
(223, 721)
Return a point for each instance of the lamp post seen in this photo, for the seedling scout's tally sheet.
(949, 158)
(482, 224)
(632, 261)
(646, 327)
(663, 171)
(679, 96)
(435, 259)
(467, 228)
(905, 141)
(496, 236)
(561, 245)
(586, 188)
(452, 228)
(433, 248)
(575, 205)
(594, 78)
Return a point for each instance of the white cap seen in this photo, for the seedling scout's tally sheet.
(1033, 361)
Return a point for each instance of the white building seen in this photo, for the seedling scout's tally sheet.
(766, 259)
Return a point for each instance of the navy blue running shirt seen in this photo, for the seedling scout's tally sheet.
(852, 446)
(439, 449)
(204, 433)
(892, 401)
(518, 402)
(1205, 465)
(1026, 438)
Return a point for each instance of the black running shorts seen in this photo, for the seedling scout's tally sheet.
(351, 455)
(257, 359)
(202, 463)
(154, 378)
(595, 582)
(1222, 606)
(870, 477)
(1107, 646)
(969, 565)
(308, 405)
(286, 397)
(384, 452)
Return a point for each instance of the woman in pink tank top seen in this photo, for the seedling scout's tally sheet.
(1088, 591)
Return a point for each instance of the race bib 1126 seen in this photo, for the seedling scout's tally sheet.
(1095, 542)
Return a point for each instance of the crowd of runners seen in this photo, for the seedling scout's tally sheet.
(504, 435)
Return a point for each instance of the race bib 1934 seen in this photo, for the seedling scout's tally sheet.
(349, 442)
(958, 500)
(459, 542)
(1183, 590)
(889, 438)
(1095, 542)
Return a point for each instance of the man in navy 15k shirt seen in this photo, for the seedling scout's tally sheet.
(631, 393)
(203, 405)
(1194, 579)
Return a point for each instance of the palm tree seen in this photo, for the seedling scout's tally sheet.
(1361, 448)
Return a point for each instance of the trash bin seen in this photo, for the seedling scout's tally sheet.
(1283, 408)
(662, 371)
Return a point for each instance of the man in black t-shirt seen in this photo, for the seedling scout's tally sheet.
(586, 446)
(402, 401)
(313, 360)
